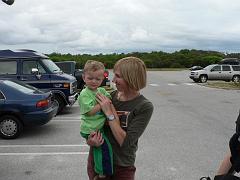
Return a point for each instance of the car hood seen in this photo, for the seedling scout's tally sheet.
(64, 76)
(199, 71)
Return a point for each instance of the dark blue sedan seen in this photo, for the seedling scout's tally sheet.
(23, 105)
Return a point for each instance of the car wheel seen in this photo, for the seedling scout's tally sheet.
(10, 127)
(236, 79)
(60, 102)
(203, 78)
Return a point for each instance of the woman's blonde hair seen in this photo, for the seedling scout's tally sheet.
(133, 71)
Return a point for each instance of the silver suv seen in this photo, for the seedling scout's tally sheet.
(217, 72)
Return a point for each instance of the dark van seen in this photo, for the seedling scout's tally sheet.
(39, 71)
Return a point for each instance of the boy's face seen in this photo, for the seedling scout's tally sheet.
(93, 79)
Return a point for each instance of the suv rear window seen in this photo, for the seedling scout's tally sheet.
(236, 68)
(8, 67)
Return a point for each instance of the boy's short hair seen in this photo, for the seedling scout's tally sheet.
(133, 71)
(92, 65)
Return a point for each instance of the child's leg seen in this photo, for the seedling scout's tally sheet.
(103, 159)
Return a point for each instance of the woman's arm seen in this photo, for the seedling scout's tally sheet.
(108, 109)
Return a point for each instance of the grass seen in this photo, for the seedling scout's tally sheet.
(222, 85)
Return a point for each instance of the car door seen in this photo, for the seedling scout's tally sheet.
(226, 72)
(215, 73)
(40, 80)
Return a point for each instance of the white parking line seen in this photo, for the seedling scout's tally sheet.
(43, 145)
(153, 84)
(42, 154)
(189, 84)
(68, 117)
(66, 120)
(172, 84)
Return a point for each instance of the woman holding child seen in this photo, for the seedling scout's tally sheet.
(128, 114)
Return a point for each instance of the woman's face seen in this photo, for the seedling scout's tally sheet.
(121, 84)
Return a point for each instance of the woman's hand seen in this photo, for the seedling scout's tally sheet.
(105, 104)
(95, 139)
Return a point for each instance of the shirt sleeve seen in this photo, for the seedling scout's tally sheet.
(86, 103)
(138, 124)
(105, 93)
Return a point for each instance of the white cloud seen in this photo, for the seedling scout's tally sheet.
(103, 26)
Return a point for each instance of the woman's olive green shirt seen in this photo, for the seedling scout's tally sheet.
(138, 112)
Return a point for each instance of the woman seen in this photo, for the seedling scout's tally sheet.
(128, 122)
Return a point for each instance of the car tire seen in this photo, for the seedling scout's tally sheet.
(236, 79)
(203, 78)
(61, 103)
(10, 127)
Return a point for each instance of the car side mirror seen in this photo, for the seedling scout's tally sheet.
(8, 2)
(35, 72)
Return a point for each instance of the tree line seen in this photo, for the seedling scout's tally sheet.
(184, 58)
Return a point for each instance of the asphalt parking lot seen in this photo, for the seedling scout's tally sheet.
(186, 138)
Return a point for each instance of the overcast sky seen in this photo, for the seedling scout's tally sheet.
(120, 26)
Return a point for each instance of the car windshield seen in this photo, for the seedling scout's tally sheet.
(51, 66)
(24, 88)
(208, 67)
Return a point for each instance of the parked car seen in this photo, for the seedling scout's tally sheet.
(23, 105)
(217, 72)
(231, 61)
(194, 68)
(69, 67)
(39, 71)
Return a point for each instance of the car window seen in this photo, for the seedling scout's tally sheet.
(216, 68)
(24, 88)
(8, 67)
(28, 65)
(236, 68)
(1, 95)
(226, 68)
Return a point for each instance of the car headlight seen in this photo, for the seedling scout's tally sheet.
(71, 88)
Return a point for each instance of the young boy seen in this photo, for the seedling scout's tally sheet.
(92, 118)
